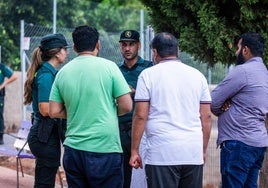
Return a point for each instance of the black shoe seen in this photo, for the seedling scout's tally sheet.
(1, 139)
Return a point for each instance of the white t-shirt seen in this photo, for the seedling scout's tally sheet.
(173, 130)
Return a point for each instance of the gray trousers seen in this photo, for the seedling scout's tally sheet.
(175, 176)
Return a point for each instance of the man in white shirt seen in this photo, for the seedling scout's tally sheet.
(173, 107)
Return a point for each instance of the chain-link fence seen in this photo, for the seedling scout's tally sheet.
(110, 49)
(34, 33)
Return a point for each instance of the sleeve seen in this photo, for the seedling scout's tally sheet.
(55, 92)
(120, 86)
(7, 72)
(142, 91)
(229, 87)
(205, 97)
(44, 83)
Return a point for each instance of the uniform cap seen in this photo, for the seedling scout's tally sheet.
(53, 41)
(130, 35)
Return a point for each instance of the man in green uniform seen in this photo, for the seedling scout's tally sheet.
(7, 76)
(131, 67)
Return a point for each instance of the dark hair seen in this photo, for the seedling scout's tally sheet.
(254, 41)
(85, 38)
(165, 44)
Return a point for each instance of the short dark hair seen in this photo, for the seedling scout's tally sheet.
(254, 41)
(166, 44)
(85, 38)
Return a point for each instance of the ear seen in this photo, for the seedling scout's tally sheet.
(139, 45)
(155, 53)
(57, 54)
(98, 45)
(246, 51)
(74, 48)
(155, 56)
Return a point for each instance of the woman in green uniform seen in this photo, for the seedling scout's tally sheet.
(43, 138)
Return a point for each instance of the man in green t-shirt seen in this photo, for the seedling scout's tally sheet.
(91, 92)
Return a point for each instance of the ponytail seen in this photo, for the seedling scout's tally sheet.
(34, 66)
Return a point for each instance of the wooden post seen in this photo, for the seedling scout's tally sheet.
(263, 177)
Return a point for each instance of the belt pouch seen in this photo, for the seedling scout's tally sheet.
(45, 128)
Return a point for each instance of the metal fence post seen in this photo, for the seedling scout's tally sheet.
(23, 67)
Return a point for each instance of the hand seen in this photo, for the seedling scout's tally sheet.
(226, 105)
(135, 161)
(132, 90)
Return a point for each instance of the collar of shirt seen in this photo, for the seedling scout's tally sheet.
(140, 61)
(50, 67)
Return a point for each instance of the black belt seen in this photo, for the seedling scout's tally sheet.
(125, 126)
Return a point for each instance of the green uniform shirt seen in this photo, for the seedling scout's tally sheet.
(131, 76)
(5, 71)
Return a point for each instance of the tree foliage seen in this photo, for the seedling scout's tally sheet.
(107, 15)
(206, 28)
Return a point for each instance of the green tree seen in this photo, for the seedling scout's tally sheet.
(106, 15)
(206, 28)
(11, 12)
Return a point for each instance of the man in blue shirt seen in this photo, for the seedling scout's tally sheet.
(7, 76)
(240, 102)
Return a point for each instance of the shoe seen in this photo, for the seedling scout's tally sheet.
(1, 139)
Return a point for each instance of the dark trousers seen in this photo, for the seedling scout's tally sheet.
(44, 176)
(47, 157)
(125, 136)
(92, 170)
(2, 104)
(175, 176)
(240, 164)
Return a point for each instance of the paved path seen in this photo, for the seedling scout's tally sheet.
(8, 177)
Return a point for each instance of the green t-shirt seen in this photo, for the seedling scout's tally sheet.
(88, 86)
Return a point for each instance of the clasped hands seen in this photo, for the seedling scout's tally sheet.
(226, 105)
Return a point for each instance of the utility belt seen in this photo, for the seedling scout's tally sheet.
(125, 126)
(45, 127)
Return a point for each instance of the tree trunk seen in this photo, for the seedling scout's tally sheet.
(263, 178)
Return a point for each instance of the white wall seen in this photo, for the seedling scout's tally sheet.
(13, 104)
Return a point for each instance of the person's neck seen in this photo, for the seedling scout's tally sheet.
(169, 58)
(130, 63)
(85, 53)
(54, 62)
(91, 53)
